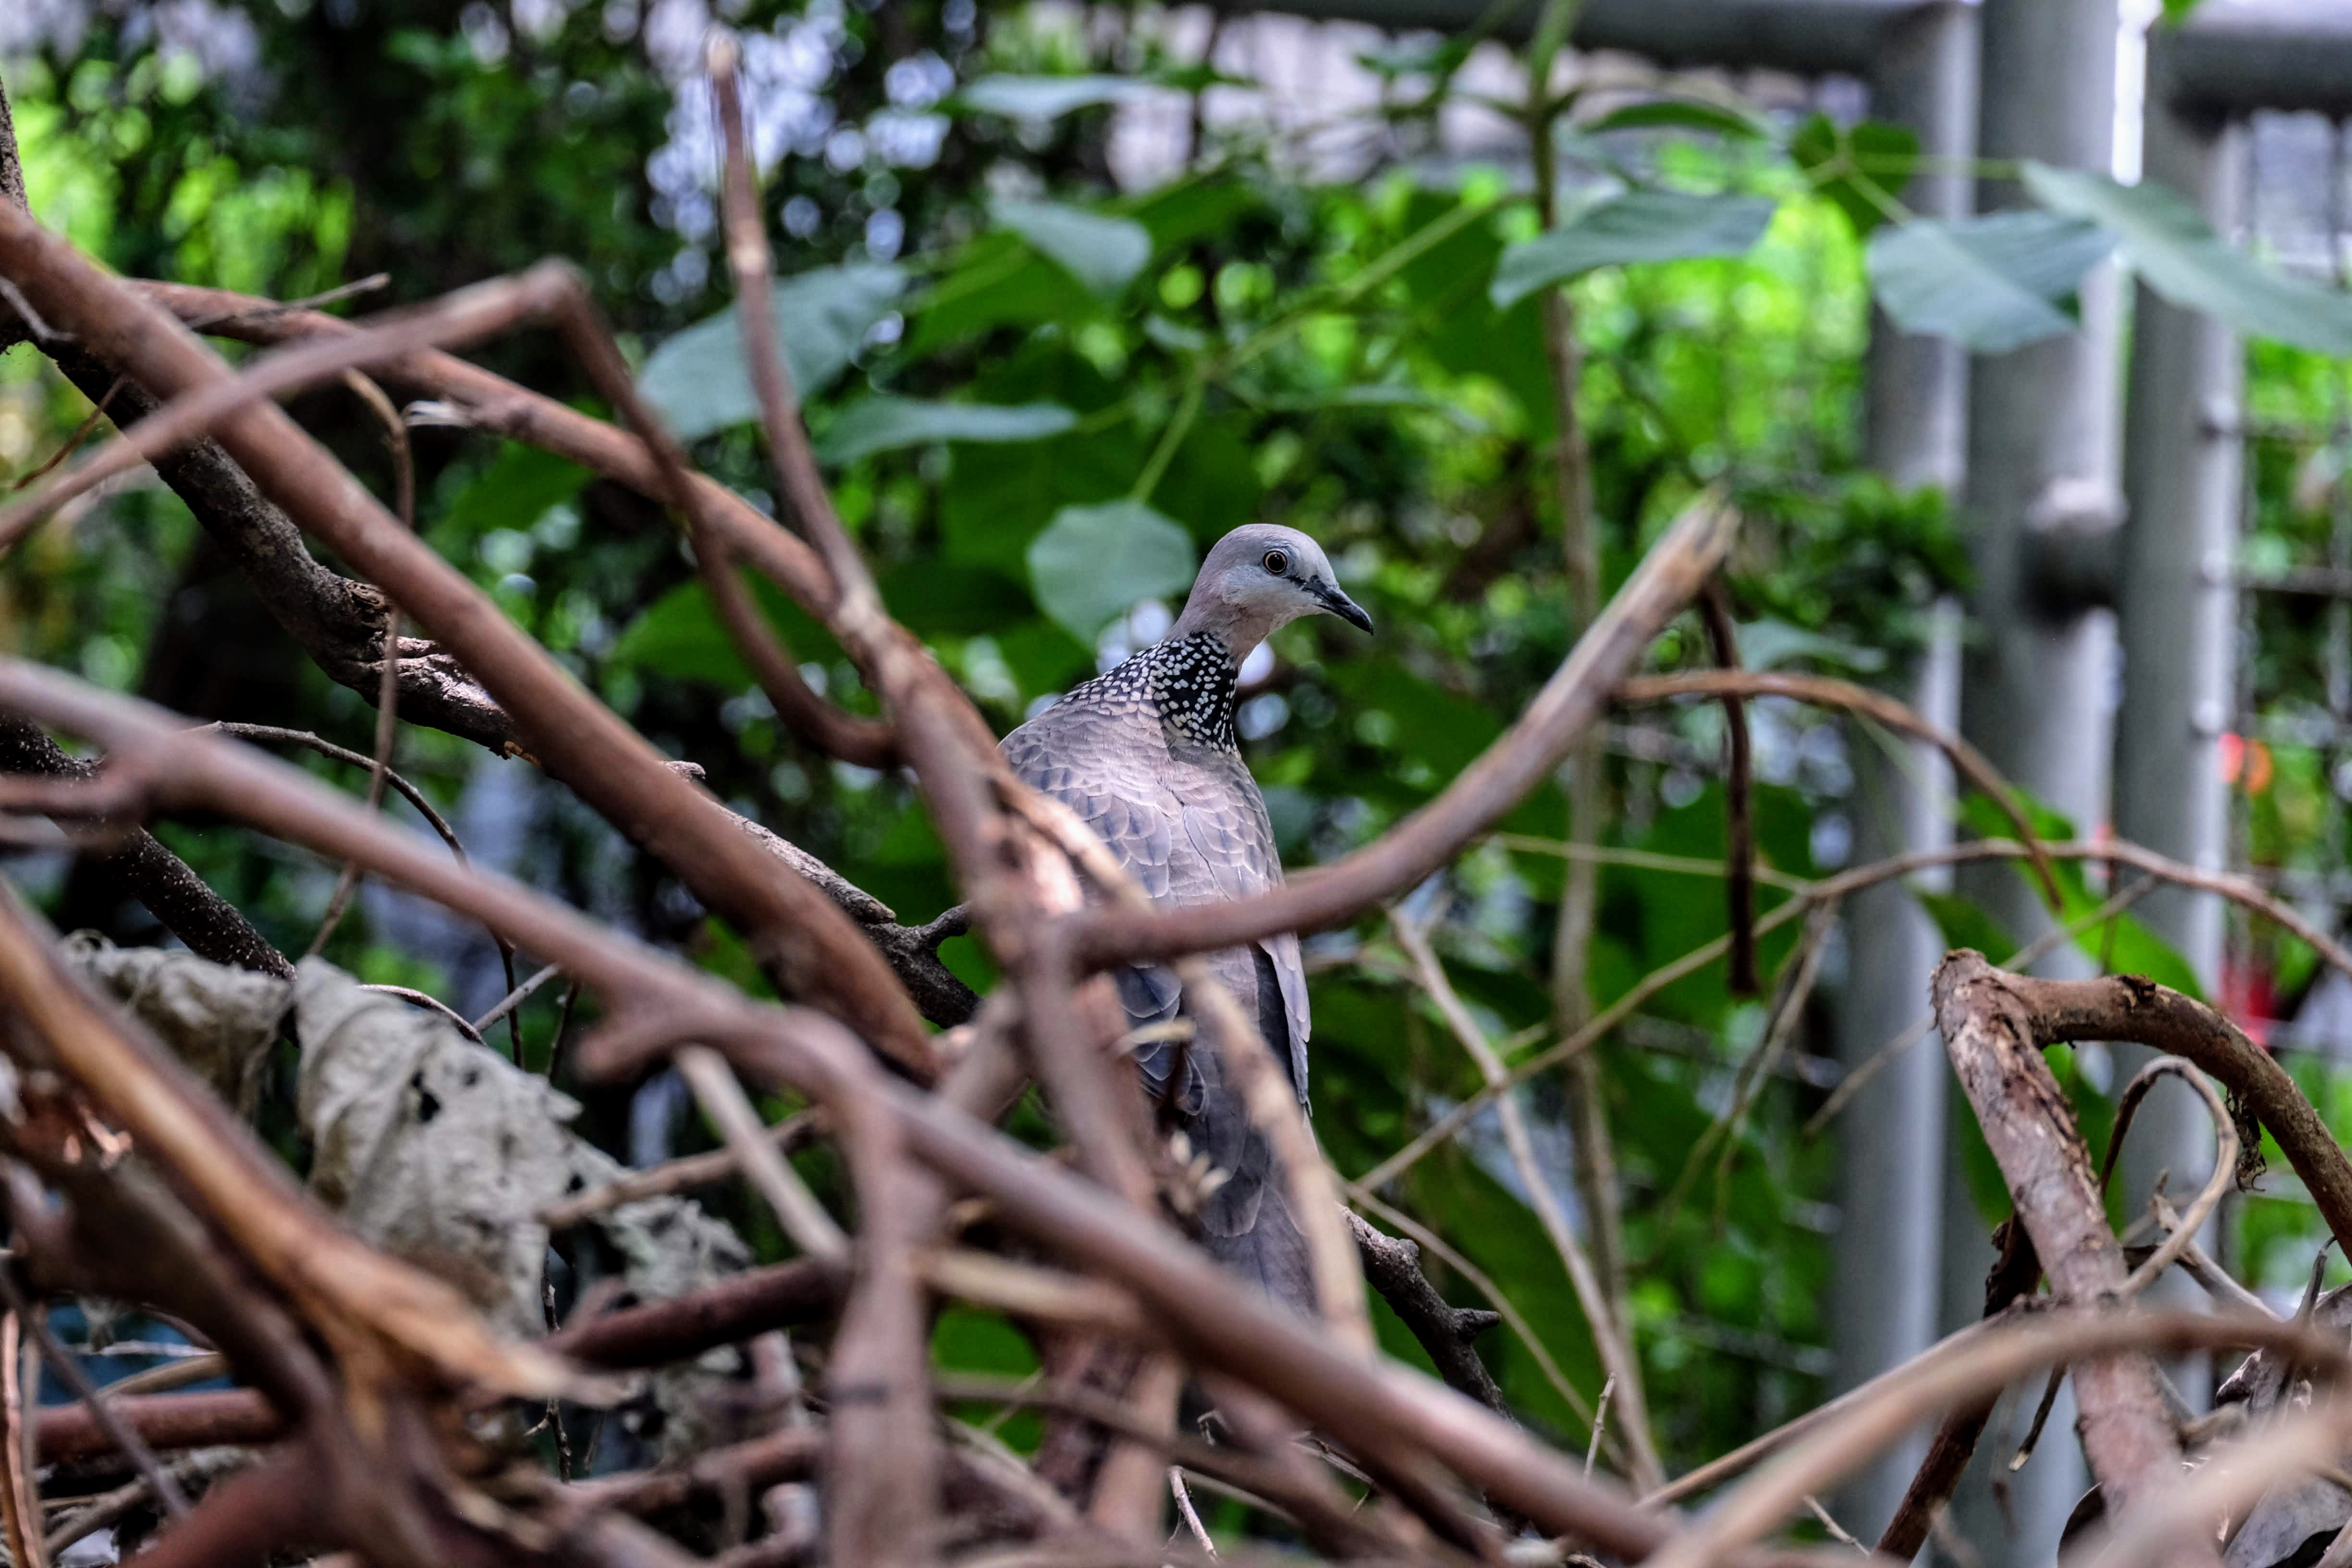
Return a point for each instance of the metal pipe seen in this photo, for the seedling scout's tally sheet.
(2234, 59)
(2037, 683)
(2176, 608)
(1887, 1250)
(1810, 37)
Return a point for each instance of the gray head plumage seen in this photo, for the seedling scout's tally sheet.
(1257, 578)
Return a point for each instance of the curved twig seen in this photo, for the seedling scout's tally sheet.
(2225, 1160)
(865, 741)
(1826, 692)
(432, 1004)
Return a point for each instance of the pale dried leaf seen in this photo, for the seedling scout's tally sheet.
(219, 1020)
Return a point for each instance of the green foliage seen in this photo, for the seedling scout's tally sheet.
(1859, 167)
(1639, 225)
(2174, 249)
(699, 380)
(1092, 563)
(886, 423)
(1104, 254)
(1993, 283)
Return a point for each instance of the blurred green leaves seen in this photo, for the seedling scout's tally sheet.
(1092, 563)
(1102, 253)
(1639, 225)
(699, 380)
(1862, 167)
(886, 423)
(1992, 283)
(2176, 252)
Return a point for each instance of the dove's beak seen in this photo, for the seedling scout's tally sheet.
(1339, 605)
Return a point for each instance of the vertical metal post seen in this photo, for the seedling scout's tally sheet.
(2176, 608)
(1891, 1137)
(2176, 599)
(2039, 675)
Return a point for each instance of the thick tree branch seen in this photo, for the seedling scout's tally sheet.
(2127, 1433)
(188, 908)
(2128, 1008)
(338, 622)
(1447, 1332)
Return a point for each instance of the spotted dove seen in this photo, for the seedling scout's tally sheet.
(1146, 755)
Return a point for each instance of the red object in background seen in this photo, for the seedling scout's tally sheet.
(2246, 764)
(2248, 998)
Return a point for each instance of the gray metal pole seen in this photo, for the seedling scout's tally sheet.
(2174, 599)
(2036, 688)
(1887, 1250)
(2176, 608)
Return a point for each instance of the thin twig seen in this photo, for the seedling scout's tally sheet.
(515, 998)
(20, 1501)
(1191, 1516)
(69, 1373)
(326, 748)
(431, 1004)
(387, 692)
(1838, 1532)
(756, 1155)
(1738, 805)
(1824, 691)
(2225, 1160)
(1600, 1420)
(1612, 1338)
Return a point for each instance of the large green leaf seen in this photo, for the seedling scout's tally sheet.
(698, 381)
(2176, 252)
(1994, 283)
(1860, 167)
(1094, 562)
(886, 423)
(1103, 253)
(1639, 225)
(1678, 114)
(1043, 96)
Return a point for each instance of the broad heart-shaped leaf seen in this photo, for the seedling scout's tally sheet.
(1639, 225)
(1103, 253)
(1043, 96)
(1858, 166)
(1994, 283)
(2176, 252)
(698, 379)
(886, 423)
(1093, 563)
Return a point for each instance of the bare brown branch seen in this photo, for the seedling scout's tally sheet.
(2126, 1433)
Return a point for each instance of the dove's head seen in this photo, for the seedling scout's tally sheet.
(1259, 577)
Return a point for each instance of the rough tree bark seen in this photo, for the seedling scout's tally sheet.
(2128, 1433)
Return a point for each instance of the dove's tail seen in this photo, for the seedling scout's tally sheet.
(1271, 1254)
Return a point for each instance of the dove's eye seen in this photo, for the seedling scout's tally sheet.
(1276, 562)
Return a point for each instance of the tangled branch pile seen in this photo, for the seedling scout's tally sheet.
(391, 1330)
